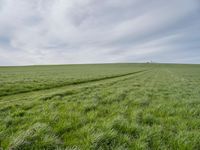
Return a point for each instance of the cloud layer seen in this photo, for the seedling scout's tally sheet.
(93, 31)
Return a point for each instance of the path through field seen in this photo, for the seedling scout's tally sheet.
(156, 107)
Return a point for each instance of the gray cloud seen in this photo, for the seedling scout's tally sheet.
(92, 31)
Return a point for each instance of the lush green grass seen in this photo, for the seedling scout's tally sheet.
(24, 79)
(116, 106)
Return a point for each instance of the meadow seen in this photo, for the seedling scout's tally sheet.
(100, 107)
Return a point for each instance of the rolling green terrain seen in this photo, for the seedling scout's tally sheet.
(108, 106)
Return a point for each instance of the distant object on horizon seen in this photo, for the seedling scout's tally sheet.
(150, 62)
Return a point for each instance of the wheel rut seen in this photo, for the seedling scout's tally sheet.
(86, 82)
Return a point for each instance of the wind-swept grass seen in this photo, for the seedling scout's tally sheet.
(158, 108)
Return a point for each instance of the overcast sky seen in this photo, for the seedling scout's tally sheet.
(99, 31)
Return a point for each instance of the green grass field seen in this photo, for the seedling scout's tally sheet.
(100, 107)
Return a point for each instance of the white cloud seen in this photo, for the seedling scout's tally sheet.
(91, 31)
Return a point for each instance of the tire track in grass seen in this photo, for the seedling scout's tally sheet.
(100, 104)
(65, 93)
(101, 85)
(63, 90)
(109, 84)
(124, 87)
(79, 82)
(81, 124)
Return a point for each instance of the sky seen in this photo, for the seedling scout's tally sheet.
(34, 32)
